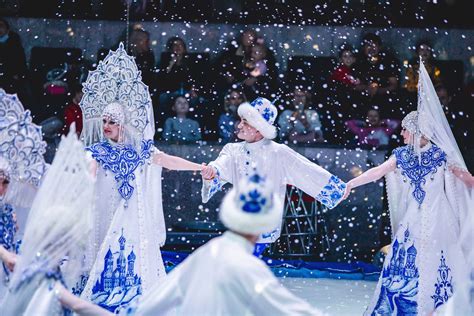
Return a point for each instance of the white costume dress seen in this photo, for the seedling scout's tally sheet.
(124, 258)
(281, 166)
(128, 225)
(55, 234)
(223, 278)
(22, 163)
(424, 258)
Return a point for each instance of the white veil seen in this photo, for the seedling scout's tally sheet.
(432, 120)
(57, 225)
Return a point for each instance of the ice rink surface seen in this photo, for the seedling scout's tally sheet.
(332, 296)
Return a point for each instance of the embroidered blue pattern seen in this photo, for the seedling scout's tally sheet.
(332, 192)
(399, 281)
(80, 285)
(417, 169)
(117, 285)
(7, 227)
(252, 202)
(216, 184)
(444, 284)
(267, 112)
(122, 160)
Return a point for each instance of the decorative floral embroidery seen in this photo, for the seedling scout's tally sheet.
(122, 160)
(399, 280)
(444, 284)
(252, 201)
(7, 227)
(118, 283)
(417, 169)
(267, 113)
(332, 192)
(216, 184)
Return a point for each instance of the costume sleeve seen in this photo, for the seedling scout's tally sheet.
(311, 178)
(224, 167)
(272, 298)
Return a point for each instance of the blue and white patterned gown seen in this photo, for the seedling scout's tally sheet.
(424, 259)
(128, 226)
(7, 240)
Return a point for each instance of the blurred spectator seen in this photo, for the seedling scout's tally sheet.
(378, 72)
(230, 63)
(373, 131)
(258, 79)
(343, 74)
(180, 128)
(175, 73)
(301, 124)
(424, 49)
(73, 112)
(140, 48)
(13, 68)
(229, 120)
(51, 128)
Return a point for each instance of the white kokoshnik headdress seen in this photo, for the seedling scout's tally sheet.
(21, 150)
(115, 90)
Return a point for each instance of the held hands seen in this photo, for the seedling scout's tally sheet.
(348, 190)
(208, 172)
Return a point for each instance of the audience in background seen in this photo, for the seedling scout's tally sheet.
(378, 72)
(140, 48)
(229, 119)
(344, 73)
(179, 128)
(13, 69)
(73, 112)
(424, 49)
(373, 131)
(301, 124)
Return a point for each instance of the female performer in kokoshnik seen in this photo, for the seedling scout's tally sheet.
(129, 226)
(428, 204)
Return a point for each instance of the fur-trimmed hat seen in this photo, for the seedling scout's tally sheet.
(261, 114)
(251, 207)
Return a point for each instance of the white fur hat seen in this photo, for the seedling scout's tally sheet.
(261, 114)
(251, 207)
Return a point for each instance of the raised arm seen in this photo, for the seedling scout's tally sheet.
(175, 163)
(372, 175)
(463, 175)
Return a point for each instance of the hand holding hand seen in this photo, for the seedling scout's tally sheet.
(208, 172)
(348, 190)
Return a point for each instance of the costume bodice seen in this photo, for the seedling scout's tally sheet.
(416, 171)
(122, 160)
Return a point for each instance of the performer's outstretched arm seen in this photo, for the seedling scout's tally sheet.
(175, 163)
(371, 175)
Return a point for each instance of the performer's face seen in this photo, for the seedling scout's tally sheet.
(248, 133)
(3, 185)
(111, 129)
(406, 136)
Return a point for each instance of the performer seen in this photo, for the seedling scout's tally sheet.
(21, 169)
(57, 227)
(222, 277)
(277, 162)
(129, 226)
(427, 205)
